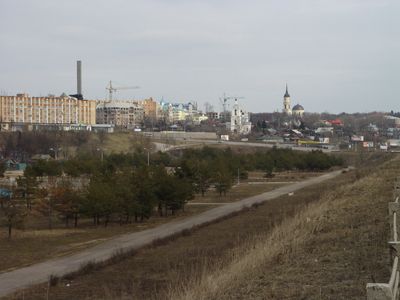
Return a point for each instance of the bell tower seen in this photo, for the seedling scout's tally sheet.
(287, 102)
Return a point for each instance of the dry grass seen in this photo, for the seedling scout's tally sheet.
(284, 239)
(254, 185)
(124, 142)
(237, 193)
(306, 257)
(32, 246)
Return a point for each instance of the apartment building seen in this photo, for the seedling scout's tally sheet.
(120, 113)
(150, 108)
(24, 109)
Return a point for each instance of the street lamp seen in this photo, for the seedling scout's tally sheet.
(148, 155)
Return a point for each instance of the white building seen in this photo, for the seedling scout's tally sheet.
(287, 103)
(298, 110)
(240, 121)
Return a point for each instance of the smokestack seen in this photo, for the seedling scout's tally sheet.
(79, 77)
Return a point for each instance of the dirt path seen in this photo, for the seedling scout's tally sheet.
(38, 273)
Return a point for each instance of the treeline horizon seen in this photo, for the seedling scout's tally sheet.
(123, 188)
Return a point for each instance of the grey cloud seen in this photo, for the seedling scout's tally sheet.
(336, 55)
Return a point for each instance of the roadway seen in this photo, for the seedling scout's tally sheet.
(196, 142)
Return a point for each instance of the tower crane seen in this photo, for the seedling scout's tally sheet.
(112, 89)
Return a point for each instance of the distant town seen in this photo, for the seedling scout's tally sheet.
(293, 125)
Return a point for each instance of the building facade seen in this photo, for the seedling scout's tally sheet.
(23, 109)
(150, 108)
(178, 112)
(120, 113)
(240, 121)
(213, 115)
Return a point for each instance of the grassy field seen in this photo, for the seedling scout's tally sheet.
(36, 243)
(161, 272)
(31, 246)
(328, 251)
(254, 185)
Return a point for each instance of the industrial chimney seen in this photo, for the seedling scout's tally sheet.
(78, 94)
(79, 77)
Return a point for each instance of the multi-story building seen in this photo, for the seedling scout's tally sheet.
(150, 108)
(23, 109)
(179, 115)
(178, 112)
(213, 115)
(120, 113)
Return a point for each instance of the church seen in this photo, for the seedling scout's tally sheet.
(240, 120)
(297, 110)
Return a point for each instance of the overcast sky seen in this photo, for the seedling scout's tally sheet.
(335, 55)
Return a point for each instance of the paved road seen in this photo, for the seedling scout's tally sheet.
(38, 273)
(196, 142)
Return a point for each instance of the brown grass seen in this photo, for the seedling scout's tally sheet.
(254, 185)
(34, 245)
(329, 250)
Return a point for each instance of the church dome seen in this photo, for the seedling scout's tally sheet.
(298, 107)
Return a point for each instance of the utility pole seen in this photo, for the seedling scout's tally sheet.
(238, 177)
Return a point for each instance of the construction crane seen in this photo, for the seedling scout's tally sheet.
(112, 89)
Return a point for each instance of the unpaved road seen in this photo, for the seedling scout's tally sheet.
(38, 273)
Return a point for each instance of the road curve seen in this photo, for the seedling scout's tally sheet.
(38, 273)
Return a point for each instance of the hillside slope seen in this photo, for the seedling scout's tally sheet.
(330, 250)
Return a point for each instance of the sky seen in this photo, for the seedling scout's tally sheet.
(335, 55)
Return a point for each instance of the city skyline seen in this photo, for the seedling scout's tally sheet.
(335, 57)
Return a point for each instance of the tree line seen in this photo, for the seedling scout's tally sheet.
(123, 188)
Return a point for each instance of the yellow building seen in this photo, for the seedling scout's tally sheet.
(149, 108)
(179, 115)
(24, 109)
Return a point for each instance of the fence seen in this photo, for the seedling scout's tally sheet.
(386, 291)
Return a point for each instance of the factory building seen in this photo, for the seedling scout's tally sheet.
(24, 109)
